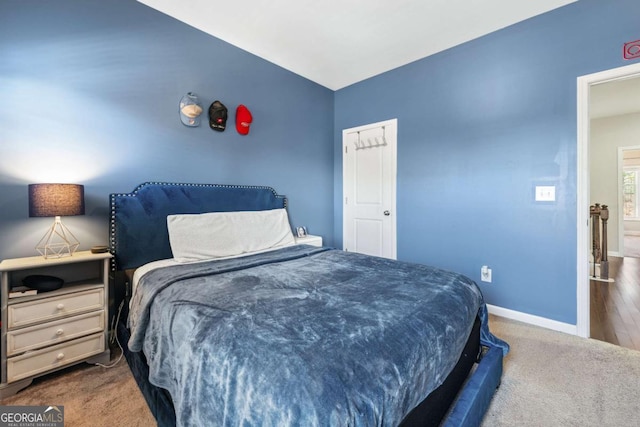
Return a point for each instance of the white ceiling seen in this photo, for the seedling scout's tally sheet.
(340, 42)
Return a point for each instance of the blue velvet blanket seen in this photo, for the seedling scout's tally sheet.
(302, 336)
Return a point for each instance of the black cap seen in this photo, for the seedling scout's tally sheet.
(218, 116)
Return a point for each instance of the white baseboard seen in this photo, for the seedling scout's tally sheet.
(533, 320)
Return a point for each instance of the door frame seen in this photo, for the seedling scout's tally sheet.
(584, 83)
(394, 173)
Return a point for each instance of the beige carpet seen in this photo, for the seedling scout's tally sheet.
(555, 379)
(550, 379)
(91, 396)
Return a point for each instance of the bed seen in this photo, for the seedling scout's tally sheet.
(277, 333)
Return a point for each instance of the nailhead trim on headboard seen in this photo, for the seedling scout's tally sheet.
(112, 227)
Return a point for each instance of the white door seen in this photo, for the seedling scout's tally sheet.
(369, 188)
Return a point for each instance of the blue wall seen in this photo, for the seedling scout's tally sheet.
(90, 93)
(479, 126)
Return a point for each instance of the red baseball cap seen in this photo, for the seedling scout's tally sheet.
(243, 119)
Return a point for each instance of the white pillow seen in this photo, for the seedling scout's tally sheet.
(196, 237)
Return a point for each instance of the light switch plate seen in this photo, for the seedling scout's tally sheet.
(545, 193)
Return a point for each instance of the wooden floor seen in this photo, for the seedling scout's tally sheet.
(615, 307)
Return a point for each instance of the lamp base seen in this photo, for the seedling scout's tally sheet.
(58, 242)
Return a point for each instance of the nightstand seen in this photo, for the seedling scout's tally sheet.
(51, 330)
(309, 240)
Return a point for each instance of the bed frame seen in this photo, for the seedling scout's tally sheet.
(138, 235)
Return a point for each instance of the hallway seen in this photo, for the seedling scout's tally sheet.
(615, 307)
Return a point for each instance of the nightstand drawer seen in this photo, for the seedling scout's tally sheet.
(44, 310)
(33, 363)
(21, 340)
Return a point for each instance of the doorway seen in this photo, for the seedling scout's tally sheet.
(588, 106)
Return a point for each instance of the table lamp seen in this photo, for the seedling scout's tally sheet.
(56, 200)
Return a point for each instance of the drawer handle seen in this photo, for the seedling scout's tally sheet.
(60, 356)
(60, 306)
(60, 331)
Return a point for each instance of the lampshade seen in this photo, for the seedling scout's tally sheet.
(56, 200)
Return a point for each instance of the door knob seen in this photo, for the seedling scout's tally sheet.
(386, 213)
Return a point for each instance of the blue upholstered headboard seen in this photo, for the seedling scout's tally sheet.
(139, 233)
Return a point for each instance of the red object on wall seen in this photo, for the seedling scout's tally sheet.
(631, 50)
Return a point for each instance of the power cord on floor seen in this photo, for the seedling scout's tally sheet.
(114, 337)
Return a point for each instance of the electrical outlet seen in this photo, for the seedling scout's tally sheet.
(485, 274)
